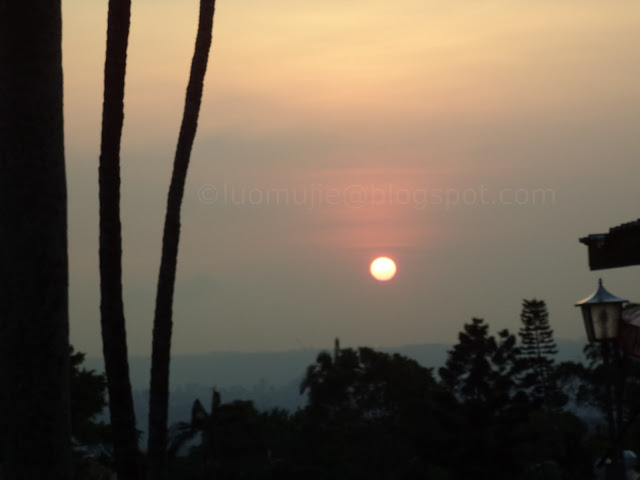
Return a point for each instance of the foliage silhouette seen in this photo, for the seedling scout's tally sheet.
(586, 384)
(376, 415)
(501, 431)
(481, 370)
(88, 400)
(235, 439)
(372, 414)
(538, 348)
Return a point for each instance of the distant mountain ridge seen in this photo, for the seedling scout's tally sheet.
(232, 369)
(269, 379)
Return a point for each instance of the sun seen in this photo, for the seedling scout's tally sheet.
(383, 269)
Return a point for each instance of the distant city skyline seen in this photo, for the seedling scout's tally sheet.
(472, 143)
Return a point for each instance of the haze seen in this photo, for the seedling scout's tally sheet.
(472, 142)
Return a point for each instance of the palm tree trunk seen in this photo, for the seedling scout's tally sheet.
(114, 336)
(34, 328)
(162, 324)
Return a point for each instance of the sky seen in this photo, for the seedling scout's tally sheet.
(474, 142)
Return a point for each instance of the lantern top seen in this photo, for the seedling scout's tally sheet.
(601, 295)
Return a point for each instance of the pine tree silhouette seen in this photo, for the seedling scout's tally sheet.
(537, 347)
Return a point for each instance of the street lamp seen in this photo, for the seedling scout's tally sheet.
(602, 314)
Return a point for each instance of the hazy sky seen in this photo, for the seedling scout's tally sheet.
(472, 141)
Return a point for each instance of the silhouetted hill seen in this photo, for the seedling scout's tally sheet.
(269, 379)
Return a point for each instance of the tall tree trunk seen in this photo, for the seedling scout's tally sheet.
(162, 324)
(114, 336)
(34, 327)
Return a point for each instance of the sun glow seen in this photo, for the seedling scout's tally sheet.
(383, 269)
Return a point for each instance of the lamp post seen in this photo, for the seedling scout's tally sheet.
(602, 314)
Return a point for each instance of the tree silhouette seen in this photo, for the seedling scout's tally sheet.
(372, 415)
(88, 400)
(482, 372)
(201, 423)
(377, 415)
(34, 327)
(114, 337)
(481, 369)
(232, 438)
(162, 324)
(537, 347)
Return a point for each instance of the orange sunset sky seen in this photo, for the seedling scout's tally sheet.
(472, 141)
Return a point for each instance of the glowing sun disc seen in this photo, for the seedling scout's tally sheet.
(383, 269)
